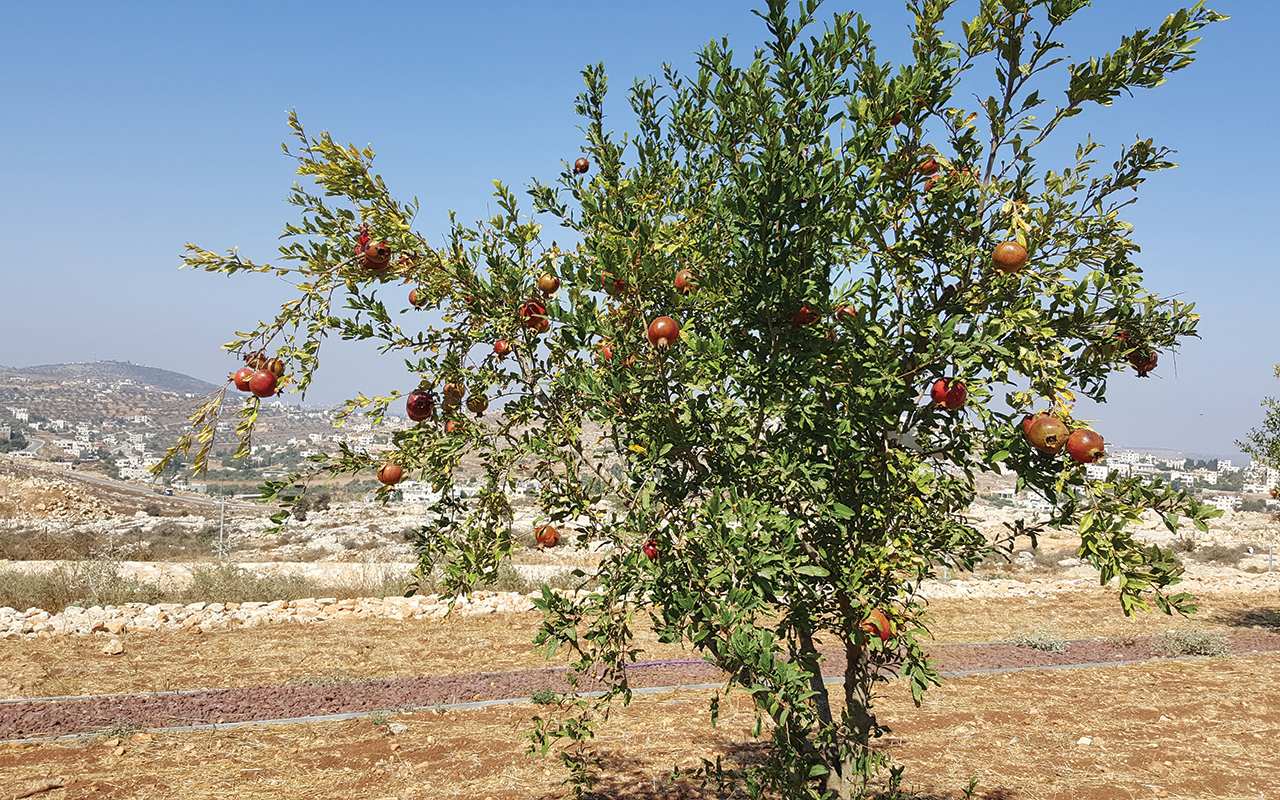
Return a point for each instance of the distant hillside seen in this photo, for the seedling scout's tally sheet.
(119, 370)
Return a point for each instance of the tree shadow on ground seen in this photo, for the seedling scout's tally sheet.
(624, 777)
(1268, 618)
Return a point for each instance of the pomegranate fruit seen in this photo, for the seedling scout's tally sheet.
(877, 623)
(276, 367)
(256, 360)
(241, 379)
(454, 391)
(684, 282)
(417, 298)
(650, 550)
(1144, 361)
(548, 283)
(847, 314)
(389, 473)
(377, 256)
(1048, 434)
(581, 166)
(1085, 446)
(263, 383)
(452, 426)
(929, 167)
(949, 393)
(805, 316)
(420, 405)
(502, 347)
(531, 311)
(612, 285)
(663, 332)
(541, 325)
(606, 351)
(477, 403)
(1009, 257)
(547, 536)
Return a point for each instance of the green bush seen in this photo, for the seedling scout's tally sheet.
(1191, 643)
(1041, 640)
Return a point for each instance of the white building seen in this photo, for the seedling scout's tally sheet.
(1226, 502)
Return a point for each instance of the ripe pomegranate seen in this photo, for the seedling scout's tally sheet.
(847, 314)
(377, 256)
(454, 391)
(241, 378)
(663, 332)
(929, 167)
(1048, 434)
(1009, 257)
(263, 383)
(949, 393)
(477, 403)
(502, 347)
(417, 298)
(547, 536)
(256, 360)
(1144, 362)
(684, 282)
(389, 473)
(276, 367)
(805, 316)
(420, 405)
(612, 285)
(877, 623)
(581, 166)
(548, 283)
(1085, 446)
(531, 311)
(650, 550)
(541, 325)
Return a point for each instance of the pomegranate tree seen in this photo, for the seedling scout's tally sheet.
(784, 469)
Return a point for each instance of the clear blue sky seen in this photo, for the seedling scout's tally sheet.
(130, 129)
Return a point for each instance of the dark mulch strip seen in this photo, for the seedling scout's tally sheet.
(31, 719)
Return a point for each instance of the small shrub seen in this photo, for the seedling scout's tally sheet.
(1121, 641)
(152, 510)
(1221, 554)
(544, 697)
(1041, 640)
(509, 580)
(1191, 643)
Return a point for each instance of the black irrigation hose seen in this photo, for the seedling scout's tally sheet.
(513, 700)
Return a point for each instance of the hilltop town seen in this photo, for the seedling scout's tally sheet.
(118, 418)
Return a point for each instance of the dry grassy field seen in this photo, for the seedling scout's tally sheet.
(1194, 728)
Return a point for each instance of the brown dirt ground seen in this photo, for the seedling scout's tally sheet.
(1194, 729)
(343, 650)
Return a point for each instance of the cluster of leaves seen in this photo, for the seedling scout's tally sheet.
(779, 456)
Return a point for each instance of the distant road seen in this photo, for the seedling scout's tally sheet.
(33, 446)
(132, 487)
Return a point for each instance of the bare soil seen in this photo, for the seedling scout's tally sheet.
(1147, 729)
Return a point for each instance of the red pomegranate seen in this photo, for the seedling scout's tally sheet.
(1048, 434)
(263, 383)
(389, 473)
(241, 379)
(1085, 446)
(547, 536)
(377, 256)
(581, 166)
(663, 332)
(1009, 257)
(420, 405)
(685, 282)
